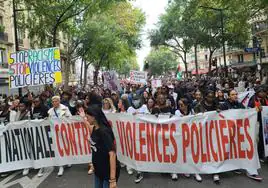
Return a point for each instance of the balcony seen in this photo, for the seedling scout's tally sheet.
(3, 37)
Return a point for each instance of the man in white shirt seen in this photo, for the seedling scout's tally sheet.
(57, 111)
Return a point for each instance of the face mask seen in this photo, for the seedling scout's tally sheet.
(136, 103)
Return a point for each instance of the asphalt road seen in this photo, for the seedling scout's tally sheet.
(76, 177)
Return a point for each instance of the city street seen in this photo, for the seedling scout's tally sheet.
(76, 177)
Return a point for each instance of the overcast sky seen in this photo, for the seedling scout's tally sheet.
(153, 9)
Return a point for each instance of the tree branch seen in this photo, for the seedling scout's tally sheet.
(64, 12)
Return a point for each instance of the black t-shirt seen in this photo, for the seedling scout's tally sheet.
(102, 142)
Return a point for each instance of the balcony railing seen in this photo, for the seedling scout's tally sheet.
(4, 36)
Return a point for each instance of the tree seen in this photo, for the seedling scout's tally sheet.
(110, 38)
(161, 61)
(46, 18)
(186, 20)
(130, 64)
(172, 33)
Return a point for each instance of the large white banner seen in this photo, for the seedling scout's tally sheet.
(43, 143)
(265, 128)
(205, 143)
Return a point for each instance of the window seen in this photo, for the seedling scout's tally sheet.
(3, 60)
(1, 20)
(240, 58)
(21, 36)
(262, 53)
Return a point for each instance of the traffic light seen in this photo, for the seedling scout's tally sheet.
(214, 62)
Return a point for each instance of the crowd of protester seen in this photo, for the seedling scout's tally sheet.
(180, 98)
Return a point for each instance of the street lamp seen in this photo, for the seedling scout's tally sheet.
(222, 33)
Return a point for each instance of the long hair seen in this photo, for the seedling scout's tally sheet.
(112, 107)
(96, 111)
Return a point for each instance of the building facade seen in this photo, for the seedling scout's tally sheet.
(251, 58)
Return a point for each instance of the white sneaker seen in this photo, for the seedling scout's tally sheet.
(216, 178)
(174, 177)
(61, 170)
(25, 172)
(130, 171)
(198, 178)
(122, 165)
(40, 172)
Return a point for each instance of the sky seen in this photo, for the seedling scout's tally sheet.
(152, 9)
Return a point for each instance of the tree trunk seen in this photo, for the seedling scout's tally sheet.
(67, 74)
(96, 74)
(195, 58)
(81, 71)
(210, 62)
(85, 73)
(185, 64)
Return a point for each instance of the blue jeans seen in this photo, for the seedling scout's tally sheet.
(101, 183)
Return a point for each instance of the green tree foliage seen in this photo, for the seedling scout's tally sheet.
(110, 38)
(130, 64)
(161, 61)
(46, 18)
(190, 23)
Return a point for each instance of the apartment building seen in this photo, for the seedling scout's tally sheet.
(238, 60)
(6, 39)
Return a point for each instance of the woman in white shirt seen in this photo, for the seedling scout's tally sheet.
(108, 106)
(184, 109)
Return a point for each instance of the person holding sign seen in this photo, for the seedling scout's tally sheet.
(102, 140)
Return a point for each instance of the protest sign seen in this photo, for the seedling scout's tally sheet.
(43, 143)
(138, 77)
(34, 67)
(111, 81)
(205, 143)
(265, 128)
(156, 83)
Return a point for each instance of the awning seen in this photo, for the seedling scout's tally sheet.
(200, 71)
